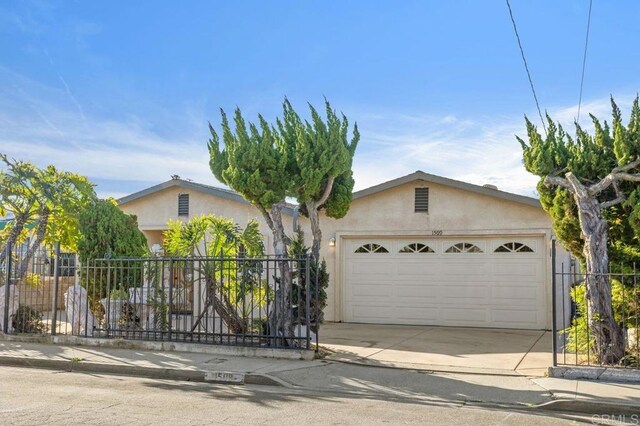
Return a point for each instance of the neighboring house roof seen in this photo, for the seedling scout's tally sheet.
(207, 189)
(420, 175)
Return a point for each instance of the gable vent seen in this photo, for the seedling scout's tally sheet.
(183, 205)
(422, 200)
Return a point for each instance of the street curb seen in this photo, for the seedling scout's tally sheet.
(596, 373)
(118, 343)
(589, 407)
(129, 370)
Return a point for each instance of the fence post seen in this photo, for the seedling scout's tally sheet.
(56, 286)
(8, 261)
(317, 302)
(170, 307)
(307, 298)
(554, 342)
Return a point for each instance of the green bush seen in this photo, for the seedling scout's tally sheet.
(316, 311)
(118, 294)
(106, 232)
(625, 309)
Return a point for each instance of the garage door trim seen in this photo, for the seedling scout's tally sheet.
(419, 236)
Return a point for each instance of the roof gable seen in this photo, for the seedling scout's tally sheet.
(207, 189)
(426, 177)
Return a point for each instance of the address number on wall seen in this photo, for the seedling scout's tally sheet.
(437, 232)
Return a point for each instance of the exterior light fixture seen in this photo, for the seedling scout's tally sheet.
(332, 242)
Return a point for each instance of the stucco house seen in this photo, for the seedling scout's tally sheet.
(420, 249)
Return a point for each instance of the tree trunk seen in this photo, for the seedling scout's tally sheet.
(281, 319)
(40, 234)
(608, 334)
(314, 219)
(225, 310)
(18, 226)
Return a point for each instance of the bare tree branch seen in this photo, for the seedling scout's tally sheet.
(265, 214)
(620, 197)
(628, 177)
(618, 173)
(556, 181)
(627, 167)
(604, 183)
(327, 192)
(607, 204)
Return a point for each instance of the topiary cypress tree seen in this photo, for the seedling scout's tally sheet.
(588, 186)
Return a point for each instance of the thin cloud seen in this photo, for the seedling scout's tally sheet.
(457, 148)
(121, 151)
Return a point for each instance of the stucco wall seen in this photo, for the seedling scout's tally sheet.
(452, 211)
(155, 210)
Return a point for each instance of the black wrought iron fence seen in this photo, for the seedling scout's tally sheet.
(229, 301)
(29, 291)
(575, 329)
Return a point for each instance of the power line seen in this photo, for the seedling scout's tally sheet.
(584, 60)
(526, 67)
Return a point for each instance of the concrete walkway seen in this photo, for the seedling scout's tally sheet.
(329, 377)
(449, 349)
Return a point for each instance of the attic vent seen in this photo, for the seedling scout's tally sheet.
(183, 205)
(422, 200)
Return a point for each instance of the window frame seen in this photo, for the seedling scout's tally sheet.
(371, 248)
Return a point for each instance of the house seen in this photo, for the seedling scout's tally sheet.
(420, 249)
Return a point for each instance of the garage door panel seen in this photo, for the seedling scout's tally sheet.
(371, 313)
(464, 315)
(416, 291)
(465, 291)
(459, 268)
(513, 316)
(417, 269)
(370, 267)
(488, 289)
(515, 293)
(416, 314)
(372, 290)
(525, 270)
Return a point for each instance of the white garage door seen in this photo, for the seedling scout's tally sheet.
(475, 282)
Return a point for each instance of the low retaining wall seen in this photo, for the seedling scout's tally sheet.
(245, 351)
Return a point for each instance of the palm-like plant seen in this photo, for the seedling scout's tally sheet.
(233, 285)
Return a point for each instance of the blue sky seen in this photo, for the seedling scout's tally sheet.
(122, 91)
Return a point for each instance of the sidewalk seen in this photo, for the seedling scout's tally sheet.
(333, 377)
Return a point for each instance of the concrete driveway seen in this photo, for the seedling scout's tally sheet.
(472, 350)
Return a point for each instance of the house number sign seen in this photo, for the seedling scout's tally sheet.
(224, 377)
(437, 232)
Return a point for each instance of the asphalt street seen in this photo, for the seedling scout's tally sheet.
(34, 396)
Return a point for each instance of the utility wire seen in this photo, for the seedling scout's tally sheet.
(526, 67)
(584, 60)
